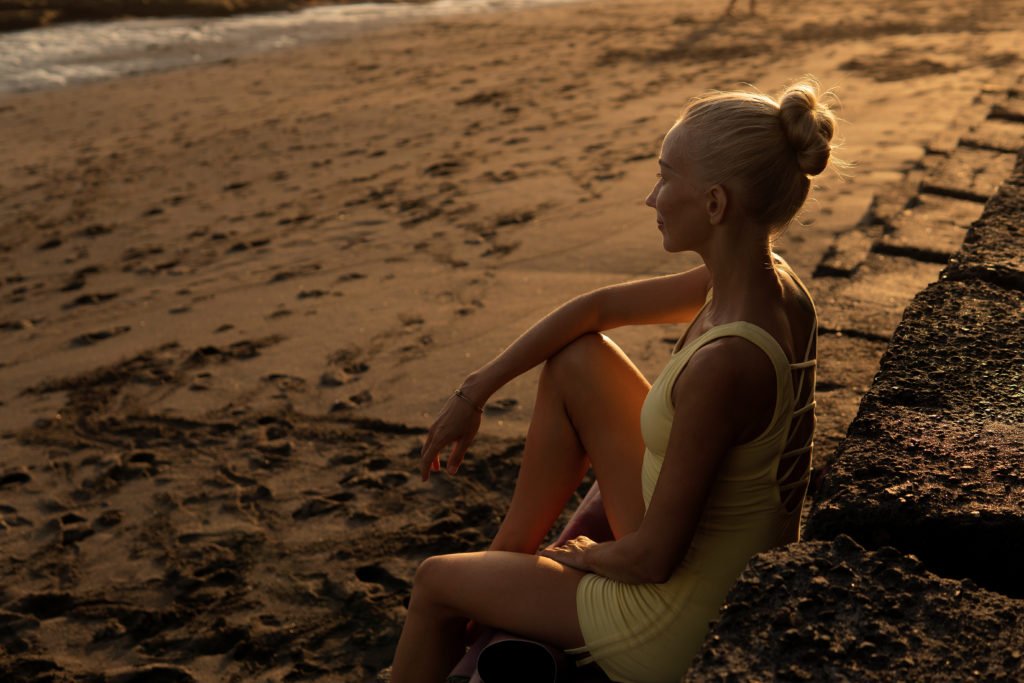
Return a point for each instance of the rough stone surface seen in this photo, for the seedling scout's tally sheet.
(933, 462)
(833, 612)
(933, 229)
(972, 174)
(994, 245)
(995, 134)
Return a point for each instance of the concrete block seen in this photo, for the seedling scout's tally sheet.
(870, 304)
(1010, 109)
(994, 246)
(845, 254)
(835, 612)
(932, 229)
(934, 461)
(999, 135)
(969, 173)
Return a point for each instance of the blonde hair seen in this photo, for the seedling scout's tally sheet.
(766, 149)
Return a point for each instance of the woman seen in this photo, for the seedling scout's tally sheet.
(699, 471)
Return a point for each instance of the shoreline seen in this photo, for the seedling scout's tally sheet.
(17, 15)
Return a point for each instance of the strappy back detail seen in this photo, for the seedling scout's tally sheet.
(792, 473)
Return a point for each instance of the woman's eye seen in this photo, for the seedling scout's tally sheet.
(658, 176)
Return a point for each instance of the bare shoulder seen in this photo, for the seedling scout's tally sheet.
(733, 381)
(800, 289)
(729, 360)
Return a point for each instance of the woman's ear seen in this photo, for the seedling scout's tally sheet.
(717, 202)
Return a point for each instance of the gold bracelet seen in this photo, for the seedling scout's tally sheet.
(467, 399)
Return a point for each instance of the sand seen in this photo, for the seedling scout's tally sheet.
(234, 295)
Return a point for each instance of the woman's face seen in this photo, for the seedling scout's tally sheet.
(677, 198)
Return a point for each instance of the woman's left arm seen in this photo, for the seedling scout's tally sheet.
(721, 398)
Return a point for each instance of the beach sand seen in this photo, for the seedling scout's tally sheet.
(234, 295)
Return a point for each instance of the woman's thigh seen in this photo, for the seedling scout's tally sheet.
(528, 595)
(603, 392)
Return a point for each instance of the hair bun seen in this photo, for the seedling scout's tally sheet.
(808, 124)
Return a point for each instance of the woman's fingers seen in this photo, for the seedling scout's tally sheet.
(428, 456)
(449, 429)
(458, 453)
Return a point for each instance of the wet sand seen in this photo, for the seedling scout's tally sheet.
(234, 295)
(22, 14)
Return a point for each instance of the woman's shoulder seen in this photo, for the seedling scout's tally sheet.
(804, 295)
(800, 312)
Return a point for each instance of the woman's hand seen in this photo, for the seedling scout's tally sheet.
(456, 426)
(572, 553)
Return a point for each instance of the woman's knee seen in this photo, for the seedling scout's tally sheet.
(579, 356)
(428, 573)
(433, 578)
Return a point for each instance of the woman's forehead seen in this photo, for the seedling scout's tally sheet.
(673, 147)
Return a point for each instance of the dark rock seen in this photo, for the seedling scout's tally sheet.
(994, 245)
(932, 463)
(833, 612)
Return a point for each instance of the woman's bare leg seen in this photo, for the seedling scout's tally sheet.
(587, 413)
(449, 588)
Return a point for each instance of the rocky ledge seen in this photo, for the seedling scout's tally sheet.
(831, 611)
(933, 462)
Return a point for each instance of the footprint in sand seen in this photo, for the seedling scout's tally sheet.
(283, 275)
(90, 338)
(43, 605)
(77, 280)
(13, 477)
(316, 507)
(89, 300)
(376, 574)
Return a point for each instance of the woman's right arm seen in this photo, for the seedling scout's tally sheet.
(667, 299)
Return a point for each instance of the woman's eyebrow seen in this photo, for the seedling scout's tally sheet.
(666, 166)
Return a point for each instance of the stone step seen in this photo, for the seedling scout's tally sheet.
(998, 135)
(934, 461)
(870, 304)
(969, 173)
(932, 229)
(994, 246)
(834, 612)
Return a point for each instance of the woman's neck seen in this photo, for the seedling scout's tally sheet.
(742, 271)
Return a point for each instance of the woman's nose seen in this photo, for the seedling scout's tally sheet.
(652, 197)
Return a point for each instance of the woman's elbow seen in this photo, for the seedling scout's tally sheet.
(659, 572)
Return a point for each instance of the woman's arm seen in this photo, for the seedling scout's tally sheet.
(723, 397)
(667, 299)
(671, 298)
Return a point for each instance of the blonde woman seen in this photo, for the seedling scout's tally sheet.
(699, 471)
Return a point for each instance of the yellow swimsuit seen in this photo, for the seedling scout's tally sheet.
(649, 633)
